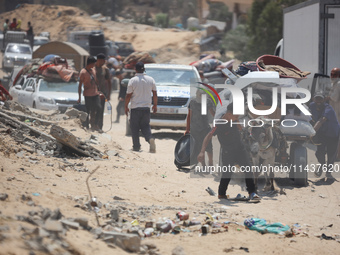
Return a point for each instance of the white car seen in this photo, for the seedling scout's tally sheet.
(176, 84)
(40, 40)
(16, 54)
(46, 95)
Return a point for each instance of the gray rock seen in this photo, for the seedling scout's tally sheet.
(4, 228)
(20, 154)
(114, 214)
(3, 196)
(178, 251)
(32, 213)
(128, 242)
(71, 224)
(72, 112)
(56, 214)
(82, 116)
(150, 245)
(97, 231)
(41, 232)
(46, 213)
(30, 203)
(53, 225)
(82, 222)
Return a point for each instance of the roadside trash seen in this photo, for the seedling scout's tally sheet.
(182, 215)
(297, 225)
(323, 236)
(244, 248)
(205, 229)
(36, 194)
(149, 224)
(209, 217)
(177, 230)
(194, 223)
(216, 225)
(148, 232)
(261, 226)
(210, 191)
(165, 228)
(135, 223)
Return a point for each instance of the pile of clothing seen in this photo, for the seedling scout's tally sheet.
(209, 63)
(56, 69)
(135, 57)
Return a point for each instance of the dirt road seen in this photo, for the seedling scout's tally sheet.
(147, 180)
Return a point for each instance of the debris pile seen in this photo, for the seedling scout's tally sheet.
(38, 135)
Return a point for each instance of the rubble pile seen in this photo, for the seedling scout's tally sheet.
(39, 133)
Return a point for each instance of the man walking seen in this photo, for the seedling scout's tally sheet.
(87, 77)
(233, 152)
(139, 93)
(198, 124)
(327, 129)
(103, 76)
(121, 97)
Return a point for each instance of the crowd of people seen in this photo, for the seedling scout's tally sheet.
(96, 80)
(15, 25)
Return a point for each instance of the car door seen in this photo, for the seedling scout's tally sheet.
(26, 92)
(14, 91)
(31, 91)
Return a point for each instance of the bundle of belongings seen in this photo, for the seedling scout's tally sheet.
(283, 67)
(209, 63)
(135, 57)
(58, 69)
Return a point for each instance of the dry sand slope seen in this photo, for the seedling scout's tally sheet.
(166, 45)
(152, 188)
(149, 183)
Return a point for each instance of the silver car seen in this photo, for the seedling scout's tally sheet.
(16, 54)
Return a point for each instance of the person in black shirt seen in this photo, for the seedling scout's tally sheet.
(121, 97)
(233, 152)
(29, 33)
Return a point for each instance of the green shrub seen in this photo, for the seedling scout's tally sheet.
(161, 20)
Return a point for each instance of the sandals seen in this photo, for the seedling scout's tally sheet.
(254, 196)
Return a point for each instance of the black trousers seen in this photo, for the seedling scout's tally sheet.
(329, 146)
(101, 113)
(92, 107)
(230, 158)
(120, 108)
(140, 120)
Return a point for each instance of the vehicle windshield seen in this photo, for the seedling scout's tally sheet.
(40, 41)
(19, 49)
(70, 87)
(172, 77)
(125, 46)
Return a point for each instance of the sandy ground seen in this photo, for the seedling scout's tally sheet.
(145, 179)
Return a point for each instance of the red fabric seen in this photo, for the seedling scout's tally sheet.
(3, 92)
(13, 26)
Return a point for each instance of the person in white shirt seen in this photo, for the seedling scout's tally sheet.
(138, 93)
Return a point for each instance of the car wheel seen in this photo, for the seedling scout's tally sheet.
(34, 106)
